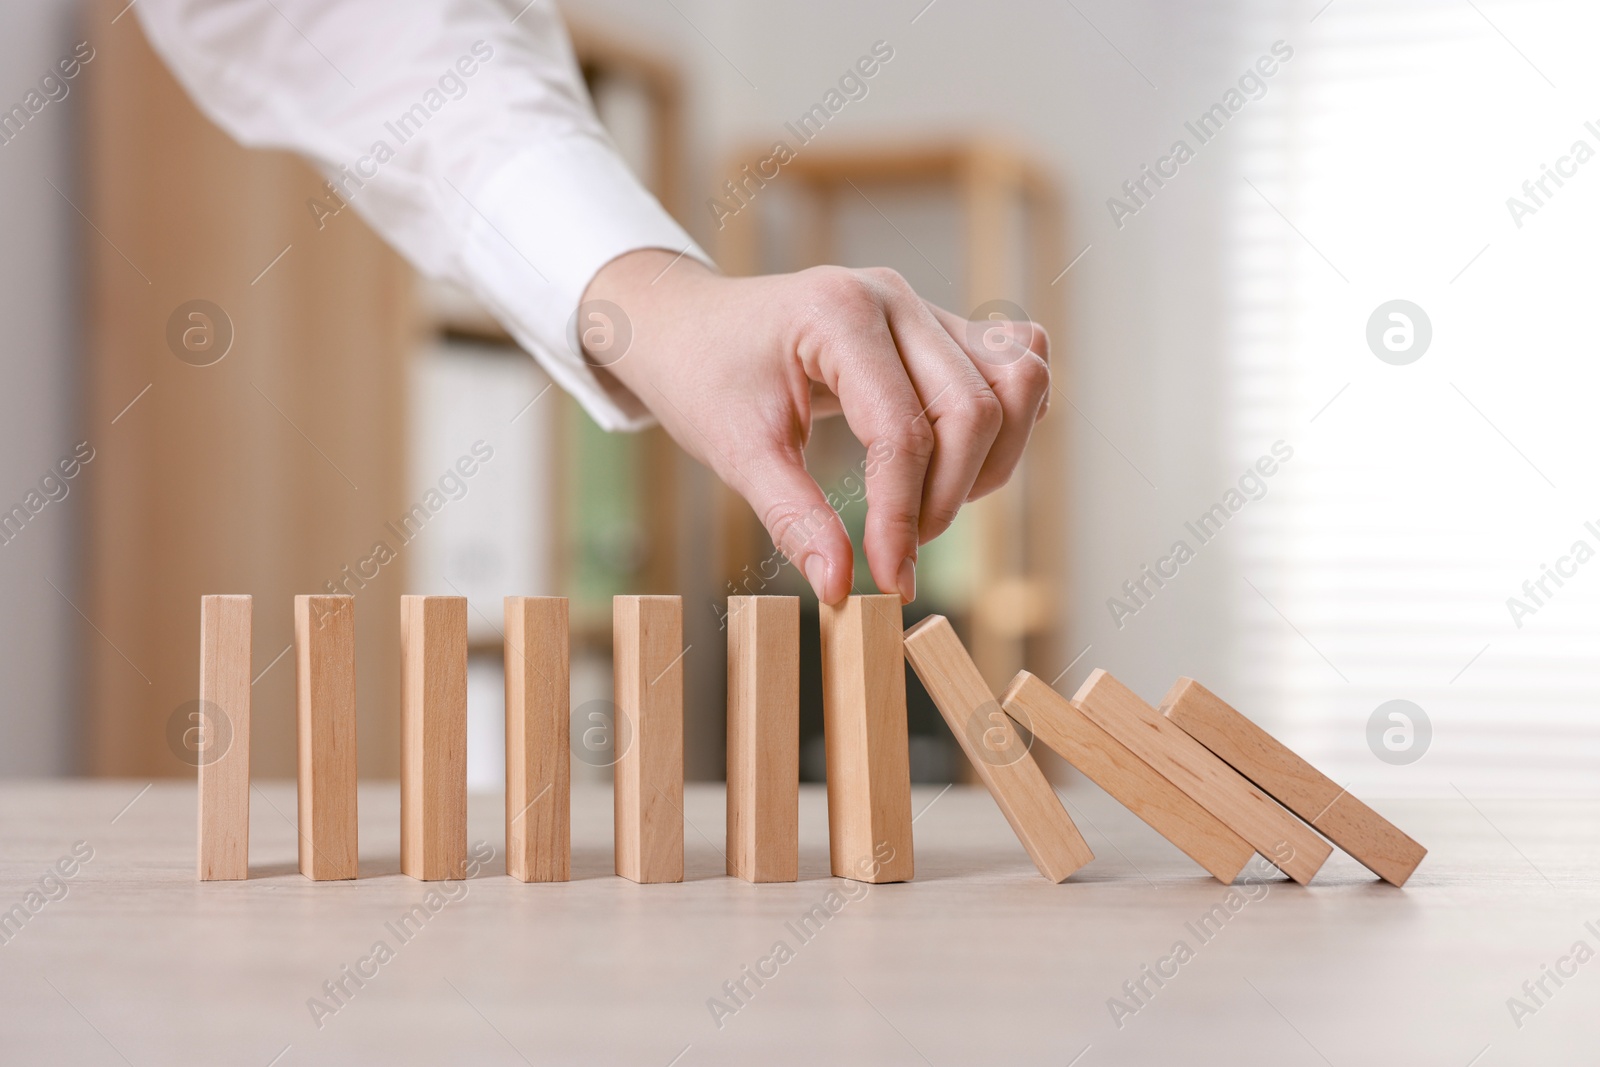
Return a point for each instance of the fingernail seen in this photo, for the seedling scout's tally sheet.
(907, 580)
(817, 575)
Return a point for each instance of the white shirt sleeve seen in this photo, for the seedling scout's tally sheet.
(459, 130)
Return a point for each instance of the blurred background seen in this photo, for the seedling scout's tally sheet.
(1377, 502)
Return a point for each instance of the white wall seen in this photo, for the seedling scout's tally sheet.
(40, 307)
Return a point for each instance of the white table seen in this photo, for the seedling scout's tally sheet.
(978, 961)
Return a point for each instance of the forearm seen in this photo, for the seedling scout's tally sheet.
(464, 139)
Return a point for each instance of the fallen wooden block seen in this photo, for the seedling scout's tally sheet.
(995, 748)
(433, 737)
(1282, 839)
(1064, 727)
(538, 725)
(325, 727)
(1293, 782)
(764, 738)
(219, 737)
(647, 640)
(864, 734)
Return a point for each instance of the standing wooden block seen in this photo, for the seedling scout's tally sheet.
(993, 745)
(1281, 838)
(1058, 723)
(433, 737)
(864, 728)
(538, 723)
(221, 738)
(647, 639)
(325, 722)
(764, 738)
(1293, 782)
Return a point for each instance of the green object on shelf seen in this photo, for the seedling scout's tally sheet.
(605, 531)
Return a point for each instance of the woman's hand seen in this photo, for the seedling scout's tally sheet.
(736, 369)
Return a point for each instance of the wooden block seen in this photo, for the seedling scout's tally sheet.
(223, 722)
(864, 732)
(433, 737)
(995, 748)
(538, 723)
(1062, 726)
(325, 717)
(647, 651)
(1293, 782)
(1282, 839)
(764, 738)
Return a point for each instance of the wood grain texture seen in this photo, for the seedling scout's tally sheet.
(222, 722)
(538, 725)
(864, 733)
(995, 748)
(433, 737)
(1282, 839)
(764, 738)
(1057, 723)
(210, 484)
(325, 721)
(1371, 975)
(647, 651)
(1291, 781)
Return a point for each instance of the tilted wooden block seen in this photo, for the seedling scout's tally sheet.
(995, 748)
(864, 733)
(1293, 782)
(764, 738)
(647, 650)
(325, 727)
(1282, 839)
(433, 737)
(1062, 726)
(219, 738)
(538, 725)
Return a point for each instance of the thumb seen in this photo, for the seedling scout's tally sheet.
(802, 525)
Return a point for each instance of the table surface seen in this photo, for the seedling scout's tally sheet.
(979, 960)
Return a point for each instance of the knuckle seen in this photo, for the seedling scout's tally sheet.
(979, 412)
(897, 518)
(1039, 343)
(1033, 375)
(888, 278)
(792, 525)
(938, 517)
(912, 438)
(837, 289)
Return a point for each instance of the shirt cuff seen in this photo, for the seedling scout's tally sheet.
(537, 231)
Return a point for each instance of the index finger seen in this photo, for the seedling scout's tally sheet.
(859, 362)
